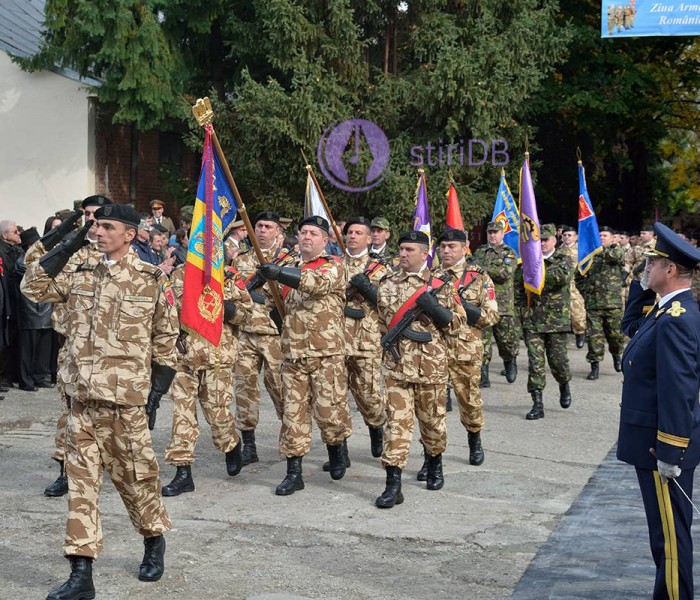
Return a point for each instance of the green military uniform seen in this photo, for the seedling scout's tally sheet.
(600, 287)
(546, 323)
(500, 263)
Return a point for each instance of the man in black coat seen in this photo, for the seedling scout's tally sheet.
(10, 252)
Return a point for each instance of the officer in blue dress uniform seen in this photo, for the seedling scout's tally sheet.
(660, 417)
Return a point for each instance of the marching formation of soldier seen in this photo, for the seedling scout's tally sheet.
(376, 322)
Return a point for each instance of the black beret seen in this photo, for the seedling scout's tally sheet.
(647, 228)
(670, 245)
(316, 221)
(566, 228)
(29, 236)
(159, 228)
(119, 212)
(603, 228)
(453, 235)
(267, 215)
(415, 237)
(95, 201)
(356, 221)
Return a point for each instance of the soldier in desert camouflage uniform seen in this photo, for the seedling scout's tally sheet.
(546, 323)
(499, 261)
(205, 372)
(415, 385)
(313, 347)
(363, 351)
(478, 298)
(623, 240)
(258, 340)
(600, 287)
(577, 307)
(123, 330)
(646, 243)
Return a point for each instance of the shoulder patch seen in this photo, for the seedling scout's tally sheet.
(676, 309)
(168, 293)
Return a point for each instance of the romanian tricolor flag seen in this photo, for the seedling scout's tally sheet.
(588, 234)
(214, 211)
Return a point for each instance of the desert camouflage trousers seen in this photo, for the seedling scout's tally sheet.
(507, 335)
(554, 346)
(365, 385)
(60, 437)
(404, 402)
(116, 438)
(254, 353)
(604, 324)
(314, 386)
(465, 378)
(577, 308)
(214, 390)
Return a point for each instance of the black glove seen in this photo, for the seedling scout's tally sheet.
(269, 271)
(229, 310)
(54, 261)
(161, 378)
(54, 236)
(473, 312)
(285, 275)
(364, 287)
(438, 314)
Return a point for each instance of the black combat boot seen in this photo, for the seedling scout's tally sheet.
(250, 451)
(182, 482)
(392, 492)
(376, 441)
(537, 410)
(485, 383)
(346, 455)
(79, 585)
(617, 363)
(293, 481)
(476, 452)
(422, 475)
(153, 563)
(594, 371)
(564, 395)
(435, 477)
(58, 487)
(336, 460)
(511, 368)
(448, 403)
(234, 460)
(580, 340)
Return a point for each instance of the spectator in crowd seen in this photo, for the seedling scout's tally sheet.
(157, 209)
(10, 252)
(142, 246)
(180, 251)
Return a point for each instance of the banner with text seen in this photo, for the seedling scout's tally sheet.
(638, 18)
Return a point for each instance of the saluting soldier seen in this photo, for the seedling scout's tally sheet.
(123, 328)
(205, 373)
(313, 348)
(546, 324)
(363, 351)
(478, 298)
(660, 414)
(577, 307)
(259, 338)
(415, 384)
(499, 261)
(600, 287)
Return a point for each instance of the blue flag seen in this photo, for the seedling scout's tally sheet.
(588, 235)
(506, 211)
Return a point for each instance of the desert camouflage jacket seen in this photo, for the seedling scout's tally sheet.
(121, 317)
(424, 363)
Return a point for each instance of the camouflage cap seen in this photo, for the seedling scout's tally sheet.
(119, 212)
(453, 235)
(316, 221)
(495, 226)
(356, 221)
(187, 211)
(549, 230)
(380, 223)
(414, 237)
(95, 201)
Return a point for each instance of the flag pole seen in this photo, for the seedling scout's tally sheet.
(204, 115)
(338, 235)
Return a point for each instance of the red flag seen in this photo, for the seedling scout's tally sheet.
(453, 220)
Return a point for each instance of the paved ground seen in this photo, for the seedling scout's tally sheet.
(234, 538)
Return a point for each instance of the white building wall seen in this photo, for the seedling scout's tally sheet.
(44, 144)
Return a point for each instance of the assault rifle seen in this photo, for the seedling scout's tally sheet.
(390, 340)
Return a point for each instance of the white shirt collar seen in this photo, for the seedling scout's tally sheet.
(380, 248)
(425, 264)
(668, 297)
(361, 254)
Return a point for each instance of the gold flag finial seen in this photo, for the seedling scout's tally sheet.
(203, 112)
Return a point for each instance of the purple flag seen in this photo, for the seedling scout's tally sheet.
(530, 247)
(421, 216)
